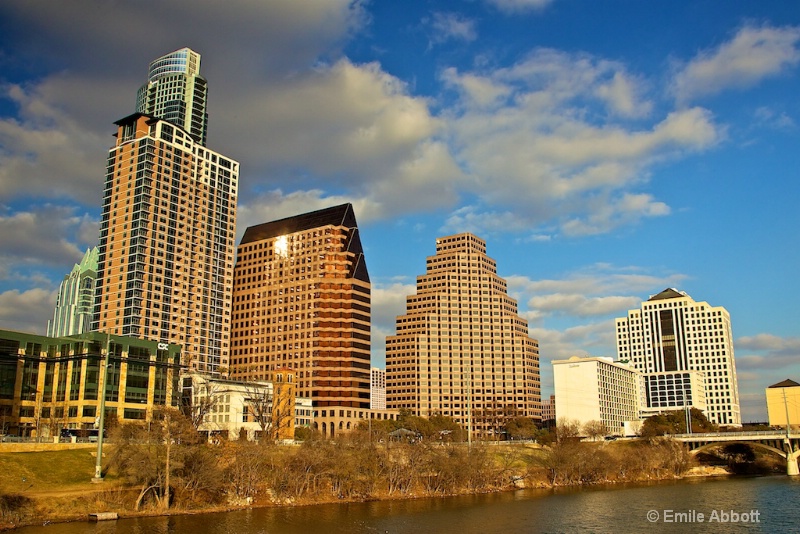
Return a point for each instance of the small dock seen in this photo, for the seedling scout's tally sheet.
(103, 516)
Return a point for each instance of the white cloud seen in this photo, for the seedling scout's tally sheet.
(621, 94)
(582, 306)
(753, 54)
(770, 342)
(516, 6)
(451, 26)
(778, 120)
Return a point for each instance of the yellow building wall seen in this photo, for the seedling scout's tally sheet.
(779, 400)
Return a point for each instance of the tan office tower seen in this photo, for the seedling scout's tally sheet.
(461, 349)
(165, 266)
(671, 332)
(301, 299)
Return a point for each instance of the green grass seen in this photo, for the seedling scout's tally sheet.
(45, 471)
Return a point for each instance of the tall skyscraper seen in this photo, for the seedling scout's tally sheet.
(461, 349)
(177, 93)
(75, 301)
(301, 299)
(165, 267)
(671, 332)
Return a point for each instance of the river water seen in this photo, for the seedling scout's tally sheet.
(761, 504)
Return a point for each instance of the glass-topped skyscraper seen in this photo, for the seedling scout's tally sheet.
(175, 92)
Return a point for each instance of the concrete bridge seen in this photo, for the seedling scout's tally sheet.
(784, 444)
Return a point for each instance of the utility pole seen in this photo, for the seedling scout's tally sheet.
(786, 406)
(469, 408)
(101, 390)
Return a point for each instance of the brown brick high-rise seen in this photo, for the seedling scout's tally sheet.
(301, 300)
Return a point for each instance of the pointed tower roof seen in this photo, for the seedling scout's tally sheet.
(669, 293)
(785, 384)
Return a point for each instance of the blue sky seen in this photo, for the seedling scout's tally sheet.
(604, 150)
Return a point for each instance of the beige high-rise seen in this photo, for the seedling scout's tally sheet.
(461, 349)
(165, 267)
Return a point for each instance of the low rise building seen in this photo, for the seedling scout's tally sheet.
(51, 383)
(783, 403)
(597, 389)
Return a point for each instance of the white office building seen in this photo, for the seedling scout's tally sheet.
(671, 332)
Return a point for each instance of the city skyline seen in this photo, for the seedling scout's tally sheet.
(603, 153)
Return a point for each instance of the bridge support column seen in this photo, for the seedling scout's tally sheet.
(791, 458)
(791, 466)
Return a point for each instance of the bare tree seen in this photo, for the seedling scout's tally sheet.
(203, 401)
(273, 409)
(595, 429)
(566, 429)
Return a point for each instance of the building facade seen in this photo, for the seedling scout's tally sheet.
(165, 265)
(597, 389)
(377, 389)
(301, 300)
(549, 409)
(672, 332)
(175, 92)
(461, 349)
(49, 383)
(75, 301)
(783, 404)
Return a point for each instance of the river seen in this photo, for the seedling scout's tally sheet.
(759, 504)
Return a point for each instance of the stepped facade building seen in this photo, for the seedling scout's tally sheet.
(671, 334)
(461, 349)
(301, 300)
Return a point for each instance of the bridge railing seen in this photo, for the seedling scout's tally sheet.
(755, 433)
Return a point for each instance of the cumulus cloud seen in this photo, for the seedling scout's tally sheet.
(548, 140)
(345, 128)
(48, 234)
(388, 301)
(46, 152)
(753, 54)
(25, 311)
(596, 290)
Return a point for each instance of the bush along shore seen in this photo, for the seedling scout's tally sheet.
(157, 474)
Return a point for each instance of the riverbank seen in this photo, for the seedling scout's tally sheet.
(54, 486)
